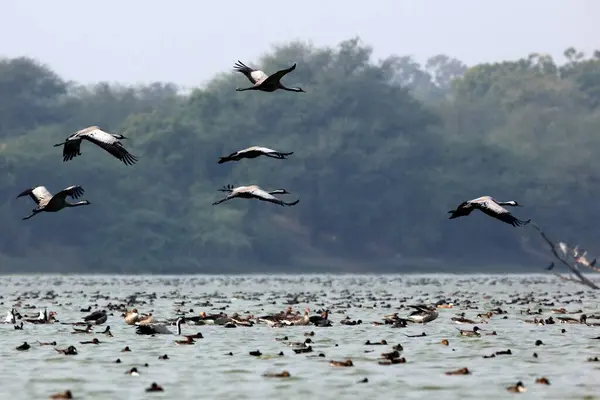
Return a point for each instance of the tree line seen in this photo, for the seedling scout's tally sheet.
(382, 151)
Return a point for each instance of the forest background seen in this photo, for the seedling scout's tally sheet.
(383, 149)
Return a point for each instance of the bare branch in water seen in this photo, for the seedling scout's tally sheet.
(566, 278)
(578, 259)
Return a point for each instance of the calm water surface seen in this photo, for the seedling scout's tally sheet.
(204, 371)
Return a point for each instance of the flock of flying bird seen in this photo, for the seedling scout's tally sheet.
(46, 202)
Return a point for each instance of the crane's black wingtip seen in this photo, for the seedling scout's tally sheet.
(25, 192)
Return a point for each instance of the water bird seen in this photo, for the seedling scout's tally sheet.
(346, 363)
(93, 341)
(98, 317)
(155, 388)
(461, 371)
(569, 320)
(254, 192)
(19, 327)
(69, 351)
(24, 346)
(369, 343)
(491, 207)
(131, 317)
(11, 317)
(108, 141)
(320, 320)
(300, 344)
(542, 380)
(391, 355)
(188, 340)
(283, 374)
(133, 372)
(462, 320)
(474, 332)
(390, 361)
(107, 331)
(518, 388)
(423, 314)
(63, 395)
(88, 329)
(422, 334)
(264, 82)
(307, 349)
(47, 202)
(152, 329)
(253, 152)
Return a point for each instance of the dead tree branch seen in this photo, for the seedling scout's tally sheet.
(578, 259)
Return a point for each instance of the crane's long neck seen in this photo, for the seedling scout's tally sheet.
(179, 327)
(506, 203)
(79, 203)
(292, 89)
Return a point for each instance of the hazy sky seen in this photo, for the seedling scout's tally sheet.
(187, 41)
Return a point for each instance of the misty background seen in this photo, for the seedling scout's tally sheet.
(411, 108)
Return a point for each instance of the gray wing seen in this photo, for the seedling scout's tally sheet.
(260, 194)
(38, 194)
(492, 209)
(258, 148)
(72, 191)
(71, 149)
(276, 77)
(111, 144)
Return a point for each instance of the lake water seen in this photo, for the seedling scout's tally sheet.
(205, 371)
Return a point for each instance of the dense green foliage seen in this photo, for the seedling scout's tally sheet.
(382, 151)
